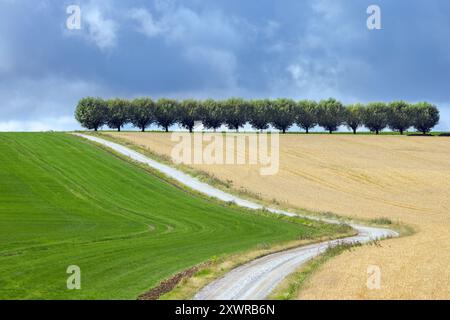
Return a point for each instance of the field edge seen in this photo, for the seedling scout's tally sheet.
(177, 286)
(188, 285)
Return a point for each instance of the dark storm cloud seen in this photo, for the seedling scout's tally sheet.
(299, 49)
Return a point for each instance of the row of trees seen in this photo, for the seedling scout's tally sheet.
(330, 114)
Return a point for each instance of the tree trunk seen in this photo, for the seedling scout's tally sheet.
(95, 128)
(190, 129)
(167, 129)
(331, 131)
(143, 129)
(377, 131)
(354, 130)
(307, 130)
(284, 131)
(401, 131)
(118, 129)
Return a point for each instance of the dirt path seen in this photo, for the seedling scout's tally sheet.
(405, 179)
(256, 279)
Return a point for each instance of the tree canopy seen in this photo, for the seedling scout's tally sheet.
(400, 116)
(330, 114)
(188, 113)
(354, 116)
(306, 114)
(235, 113)
(166, 113)
(376, 116)
(118, 113)
(211, 114)
(92, 113)
(425, 116)
(282, 114)
(142, 113)
(261, 114)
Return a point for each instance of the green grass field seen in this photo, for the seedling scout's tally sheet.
(64, 201)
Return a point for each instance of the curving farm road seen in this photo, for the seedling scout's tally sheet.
(256, 279)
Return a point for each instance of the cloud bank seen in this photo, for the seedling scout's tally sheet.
(200, 49)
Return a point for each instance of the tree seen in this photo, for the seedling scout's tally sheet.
(376, 116)
(141, 114)
(400, 116)
(259, 114)
(118, 113)
(235, 112)
(211, 114)
(354, 116)
(282, 114)
(330, 114)
(166, 113)
(425, 116)
(91, 112)
(306, 115)
(188, 113)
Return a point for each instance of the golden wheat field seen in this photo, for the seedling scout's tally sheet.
(405, 179)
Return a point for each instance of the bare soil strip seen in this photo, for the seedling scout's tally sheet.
(168, 284)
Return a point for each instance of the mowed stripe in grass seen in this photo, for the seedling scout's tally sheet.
(66, 202)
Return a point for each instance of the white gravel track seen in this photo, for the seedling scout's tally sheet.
(255, 279)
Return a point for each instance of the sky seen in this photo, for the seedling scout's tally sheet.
(310, 49)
